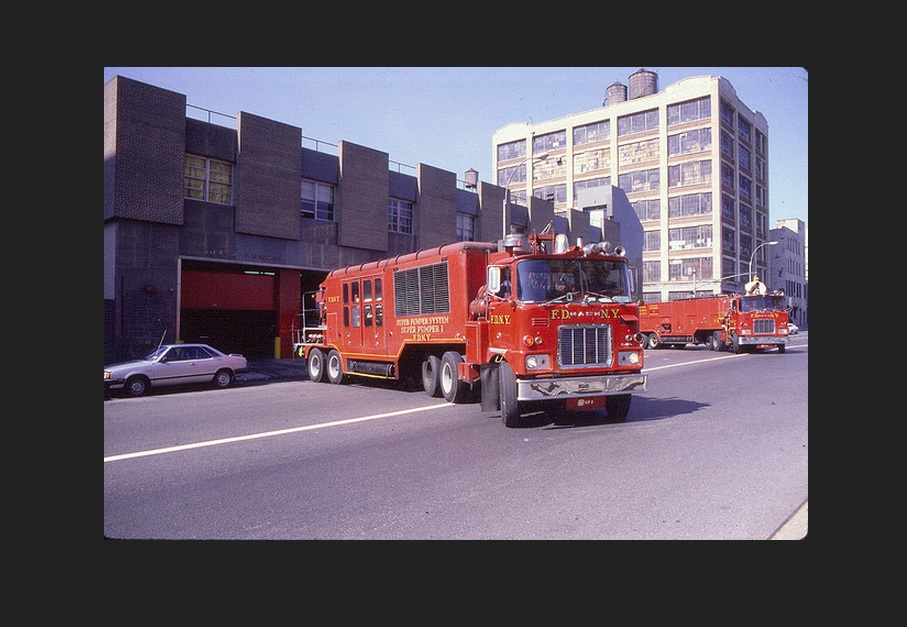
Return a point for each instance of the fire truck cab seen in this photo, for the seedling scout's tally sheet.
(527, 323)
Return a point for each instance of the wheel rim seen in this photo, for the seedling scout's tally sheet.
(446, 378)
(334, 366)
(315, 365)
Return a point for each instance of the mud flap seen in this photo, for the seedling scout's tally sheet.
(491, 392)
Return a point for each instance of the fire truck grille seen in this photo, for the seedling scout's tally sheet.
(764, 325)
(584, 345)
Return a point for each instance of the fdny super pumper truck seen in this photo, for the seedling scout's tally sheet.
(530, 323)
(734, 322)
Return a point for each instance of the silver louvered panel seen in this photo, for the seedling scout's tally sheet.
(584, 345)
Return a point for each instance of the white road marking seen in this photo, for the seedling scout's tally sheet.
(337, 423)
(268, 434)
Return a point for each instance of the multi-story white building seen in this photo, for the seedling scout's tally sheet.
(788, 267)
(692, 160)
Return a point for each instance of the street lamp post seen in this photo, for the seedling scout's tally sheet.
(504, 220)
(753, 256)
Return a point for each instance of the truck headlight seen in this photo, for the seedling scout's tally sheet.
(627, 358)
(106, 374)
(536, 362)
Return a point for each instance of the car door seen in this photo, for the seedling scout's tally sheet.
(174, 367)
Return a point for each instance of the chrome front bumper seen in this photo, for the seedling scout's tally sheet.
(763, 339)
(577, 387)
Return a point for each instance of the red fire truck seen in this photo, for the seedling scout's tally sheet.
(531, 323)
(734, 322)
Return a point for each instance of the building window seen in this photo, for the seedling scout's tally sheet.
(689, 111)
(727, 146)
(727, 176)
(652, 242)
(746, 188)
(466, 227)
(689, 142)
(515, 174)
(317, 201)
(592, 161)
(208, 179)
(551, 168)
(693, 173)
(761, 142)
(744, 155)
(690, 205)
(746, 217)
(728, 241)
(726, 113)
(648, 209)
(399, 216)
(554, 193)
(651, 272)
(637, 152)
(690, 237)
(687, 269)
(512, 150)
(549, 141)
(637, 123)
(642, 181)
(743, 129)
(728, 208)
(760, 168)
(595, 132)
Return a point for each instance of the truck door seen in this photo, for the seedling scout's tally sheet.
(373, 335)
(352, 315)
(363, 316)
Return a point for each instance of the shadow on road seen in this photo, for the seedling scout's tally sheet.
(643, 409)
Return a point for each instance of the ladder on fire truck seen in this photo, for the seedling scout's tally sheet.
(308, 327)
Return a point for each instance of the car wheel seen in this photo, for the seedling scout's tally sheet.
(452, 388)
(136, 386)
(317, 371)
(335, 367)
(510, 407)
(223, 379)
(431, 366)
(618, 406)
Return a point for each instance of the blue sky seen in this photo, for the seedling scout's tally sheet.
(446, 116)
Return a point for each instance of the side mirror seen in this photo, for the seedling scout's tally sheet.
(493, 280)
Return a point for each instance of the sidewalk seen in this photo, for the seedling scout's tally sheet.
(263, 369)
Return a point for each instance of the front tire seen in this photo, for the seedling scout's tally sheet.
(136, 386)
(510, 407)
(618, 406)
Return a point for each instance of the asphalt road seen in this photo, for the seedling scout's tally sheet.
(717, 448)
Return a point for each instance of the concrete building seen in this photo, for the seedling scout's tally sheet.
(788, 267)
(214, 233)
(692, 160)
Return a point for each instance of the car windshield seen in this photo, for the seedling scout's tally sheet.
(545, 280)
(156, 353)
(761, 303)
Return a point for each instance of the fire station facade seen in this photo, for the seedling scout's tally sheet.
(213, 233)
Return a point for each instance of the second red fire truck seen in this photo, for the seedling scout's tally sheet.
(735, 322)
(528, 323)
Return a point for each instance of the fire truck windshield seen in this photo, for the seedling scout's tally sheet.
(761, 303)
(553, 279)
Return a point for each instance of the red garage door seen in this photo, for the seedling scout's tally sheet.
(233, 310)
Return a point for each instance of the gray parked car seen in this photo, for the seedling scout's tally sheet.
(174, 364)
